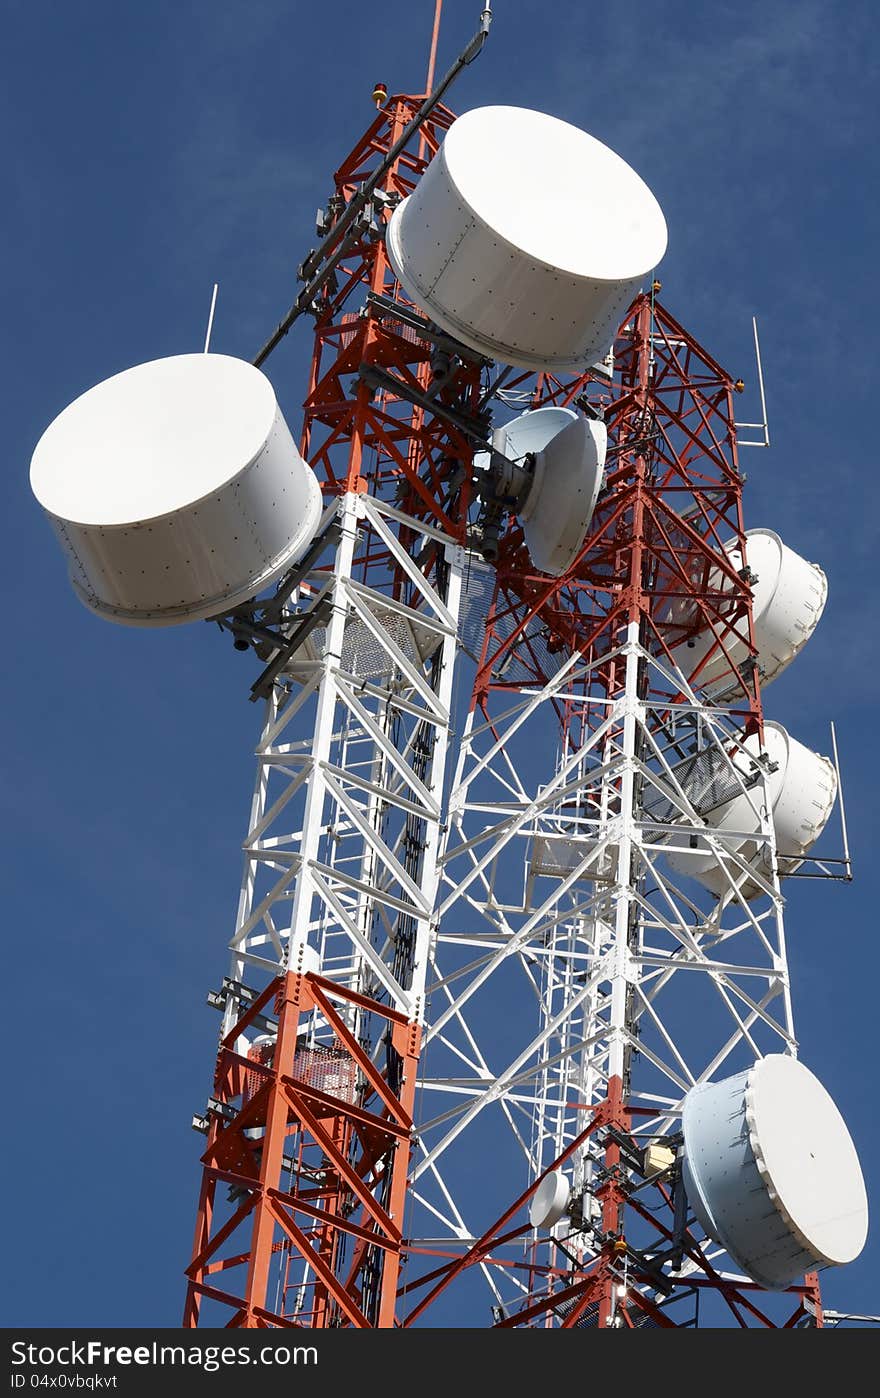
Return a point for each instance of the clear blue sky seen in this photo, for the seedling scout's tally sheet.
(153, 148)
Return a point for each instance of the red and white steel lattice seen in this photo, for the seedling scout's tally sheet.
(460, 959)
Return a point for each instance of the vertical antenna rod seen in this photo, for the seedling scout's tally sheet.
(432, 60)
(847, 861)
(763, 426)
(211, 319)
(761, 383)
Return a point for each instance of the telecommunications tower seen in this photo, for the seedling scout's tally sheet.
(507, 1035)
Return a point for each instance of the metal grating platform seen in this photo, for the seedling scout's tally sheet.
(708, 781)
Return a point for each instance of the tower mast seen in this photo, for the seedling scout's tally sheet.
(380, 907)
(310, 1121)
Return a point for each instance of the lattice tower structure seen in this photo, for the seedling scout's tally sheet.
(459, 961)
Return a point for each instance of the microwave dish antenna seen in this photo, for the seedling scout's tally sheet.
(771, 1172)
(550, 1201)
(802, 788)
(545, 466)
(788, 598)
(526, 239)
(175, 490)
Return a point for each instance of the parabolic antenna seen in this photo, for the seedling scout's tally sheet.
(771, 1172)
(802, 790)
(526, 238)
(787, 601)
(175, 489)
(550, 1200)
(569, 458)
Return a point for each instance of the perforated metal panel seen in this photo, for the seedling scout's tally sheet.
(363, 654)
(529, 655)
(708, 781)
(327, 1069)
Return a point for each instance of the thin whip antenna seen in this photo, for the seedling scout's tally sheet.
(847, 861)
(432, 59)
(763, 425)
(432, 62)
(211, 319)
(761, 383)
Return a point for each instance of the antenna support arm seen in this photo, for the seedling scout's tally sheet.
(342, 229)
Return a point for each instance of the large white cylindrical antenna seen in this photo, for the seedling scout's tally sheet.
(771, 1172)
(788, 598)
(176, 490)
(802, 788)
(526, 239)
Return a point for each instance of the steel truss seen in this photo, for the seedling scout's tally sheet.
(310, 1120)
(450, 977)
(340, 879)
(557, 891)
